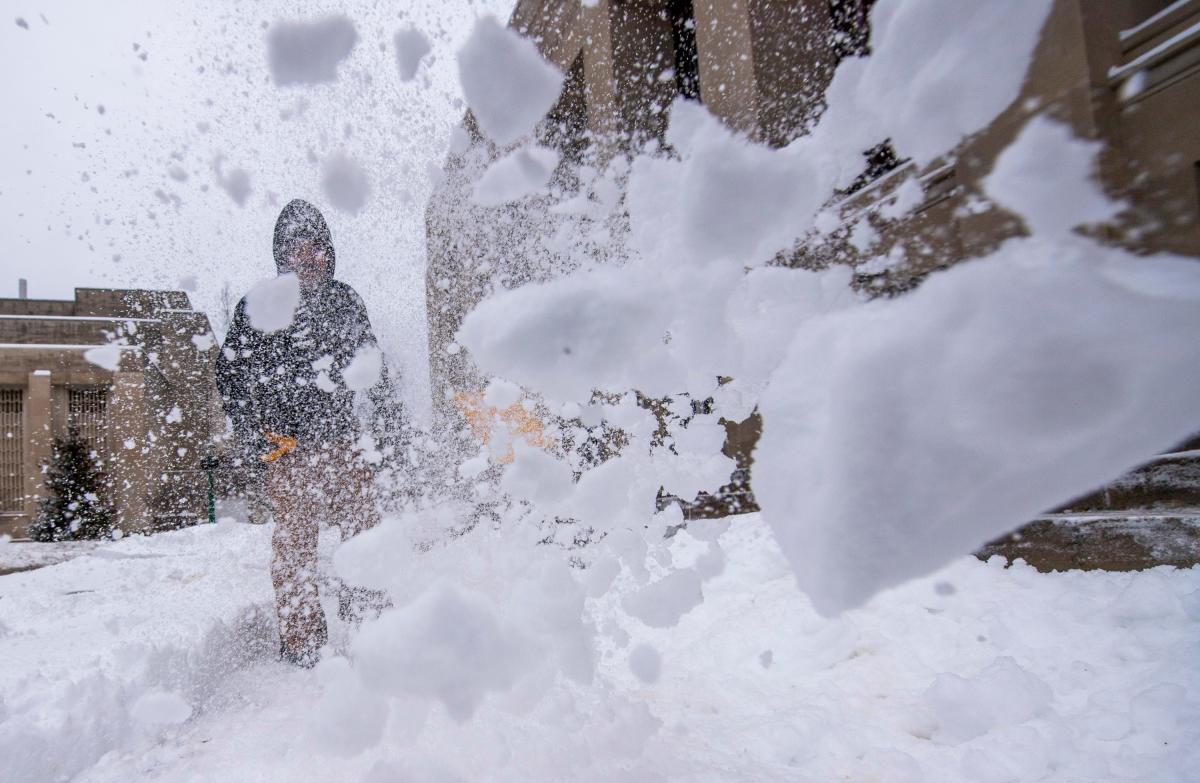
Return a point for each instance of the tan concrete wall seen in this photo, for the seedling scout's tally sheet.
(157, 482)
(727, 83)
(130, 448)
(38, 436)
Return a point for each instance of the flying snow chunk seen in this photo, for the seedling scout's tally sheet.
(537, 476)
(522, 173)
(345, 183)
(1050, 205)
(161, 708)
(236, 183)
(557, 337)
(645, 663)
(271, 303)
(204, 341)
(502, 394)
(411, 48)
(309, 52)
(1000, 388)
(106, 356)
(507, 84)
(364, 369)
(939, 70)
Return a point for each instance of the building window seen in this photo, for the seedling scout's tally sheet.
(87, 413)
(687, 56)
(12, 440)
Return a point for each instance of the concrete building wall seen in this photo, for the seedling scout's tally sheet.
(158, 405)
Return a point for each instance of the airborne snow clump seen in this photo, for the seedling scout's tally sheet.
(309, 52)
(507, 84)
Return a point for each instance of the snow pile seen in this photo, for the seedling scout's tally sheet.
(507, 84)
(126, 642)
(1011, 675)
(1001, 695)
(449, 645)
(479, 617)
(348, 718)
(309, 52)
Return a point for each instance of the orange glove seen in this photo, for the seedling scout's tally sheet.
(285, 444)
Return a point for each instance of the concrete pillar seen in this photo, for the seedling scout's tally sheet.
(642, 54)
(723, 40)
(794, 61)
(600, 89)
(130, 448)
(38, 438)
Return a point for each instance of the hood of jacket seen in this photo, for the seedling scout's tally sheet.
(300, 222)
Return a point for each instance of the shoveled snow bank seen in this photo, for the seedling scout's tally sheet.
(111, 649)
(978, 672)
(21, 555)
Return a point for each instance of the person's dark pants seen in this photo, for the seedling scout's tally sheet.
(306, 487)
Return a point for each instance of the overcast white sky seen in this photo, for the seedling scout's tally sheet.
(104, 101)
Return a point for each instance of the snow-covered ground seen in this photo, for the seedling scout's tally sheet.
(22, 555)
(153, 659)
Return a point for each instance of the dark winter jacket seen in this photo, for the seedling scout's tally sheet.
(289, 382)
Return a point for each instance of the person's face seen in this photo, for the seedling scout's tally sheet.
(310, 263)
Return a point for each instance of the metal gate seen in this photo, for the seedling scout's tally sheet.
(12, 440)
(87, 413)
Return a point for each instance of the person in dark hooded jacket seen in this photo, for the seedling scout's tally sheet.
(292, 411)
